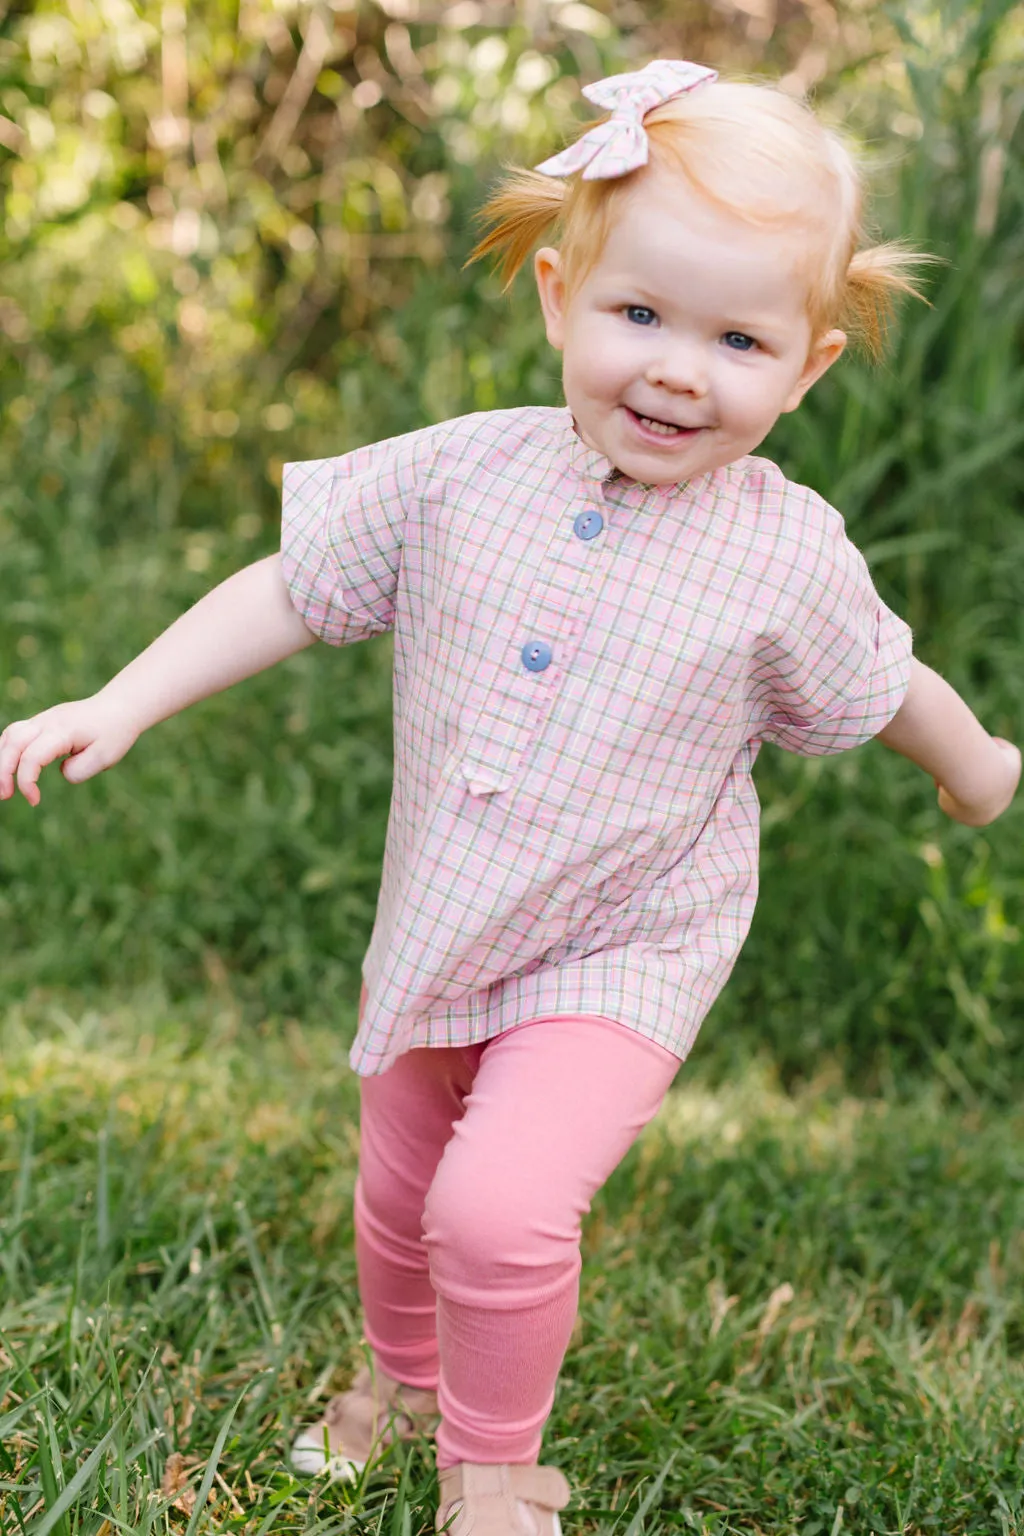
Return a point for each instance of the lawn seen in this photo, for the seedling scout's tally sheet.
(801, 1311)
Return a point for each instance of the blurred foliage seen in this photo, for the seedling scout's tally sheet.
(234, 235)
(229, 210)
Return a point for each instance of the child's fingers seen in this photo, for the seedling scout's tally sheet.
(947, 805)
(1012, 760)
(13, 743)
(1009, 751)
(82, 765)
(42, 749)
(986, 811)
(79, 732)
(41, 743)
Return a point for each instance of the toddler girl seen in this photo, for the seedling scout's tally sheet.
(600, 612)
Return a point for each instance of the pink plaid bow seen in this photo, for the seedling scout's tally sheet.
(618, 146)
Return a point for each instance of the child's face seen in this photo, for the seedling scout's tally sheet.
(687, 339)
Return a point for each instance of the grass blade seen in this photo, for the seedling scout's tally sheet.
(636, 1525)
(211, 1466)
(11, 1252)
(55, 1515)
(9, 1420)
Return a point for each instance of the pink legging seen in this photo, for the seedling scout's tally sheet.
(477, 1164)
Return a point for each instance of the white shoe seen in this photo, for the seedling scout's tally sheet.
(358, 1425)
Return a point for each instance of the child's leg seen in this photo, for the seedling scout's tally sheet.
(554, 1107)
(406, 1119)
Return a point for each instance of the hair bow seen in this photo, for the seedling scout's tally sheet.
(618, 146)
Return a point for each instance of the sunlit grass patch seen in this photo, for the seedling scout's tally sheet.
(819, 1297)
(789, 1301)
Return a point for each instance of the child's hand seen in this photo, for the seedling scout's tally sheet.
(1004, 777)
(91, 733)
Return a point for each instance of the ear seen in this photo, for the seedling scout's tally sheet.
(548, 272)
(820, 358)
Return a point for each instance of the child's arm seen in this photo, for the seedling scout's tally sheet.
(976, 774)
(241, 627)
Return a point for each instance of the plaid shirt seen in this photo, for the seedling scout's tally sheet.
(584, 670)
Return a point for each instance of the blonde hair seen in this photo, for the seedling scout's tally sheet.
(752, 150)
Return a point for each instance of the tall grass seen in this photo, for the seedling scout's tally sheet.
(896, 934)
(242, 842)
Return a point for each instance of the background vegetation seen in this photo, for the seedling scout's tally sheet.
(233, 235)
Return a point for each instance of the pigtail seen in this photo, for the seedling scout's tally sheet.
(875, 278)
(522, 211)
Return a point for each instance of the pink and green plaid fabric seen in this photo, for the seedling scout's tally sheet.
(584, 670)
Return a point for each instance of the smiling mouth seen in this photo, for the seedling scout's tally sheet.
(666, 429)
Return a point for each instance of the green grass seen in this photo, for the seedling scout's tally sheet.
(800, 1312)
(801, 1305)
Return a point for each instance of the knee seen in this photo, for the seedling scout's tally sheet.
(388, 1208)
(485, 1229)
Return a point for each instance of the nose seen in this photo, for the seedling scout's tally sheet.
(681, 369)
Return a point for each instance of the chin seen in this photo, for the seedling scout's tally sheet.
(660, 471)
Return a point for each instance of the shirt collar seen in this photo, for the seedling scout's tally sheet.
(587, 462)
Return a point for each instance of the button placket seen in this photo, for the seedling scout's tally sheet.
(536, 654)
(554, 615)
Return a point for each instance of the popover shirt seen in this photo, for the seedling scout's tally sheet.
(584, 669)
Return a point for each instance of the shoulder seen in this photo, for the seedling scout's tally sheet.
(491, 439)
(526, 433)
(483, 442)
(788, 515)
(762, 482)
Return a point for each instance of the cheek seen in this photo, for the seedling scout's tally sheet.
(750, 396)
(592, 370)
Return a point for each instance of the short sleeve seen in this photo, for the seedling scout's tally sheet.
(342, 533)
(833, 668)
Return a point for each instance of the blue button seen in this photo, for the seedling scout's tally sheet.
(589, 524)
(536, 655)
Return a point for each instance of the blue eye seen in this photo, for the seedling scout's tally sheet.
(639, 314)
(738, 342)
